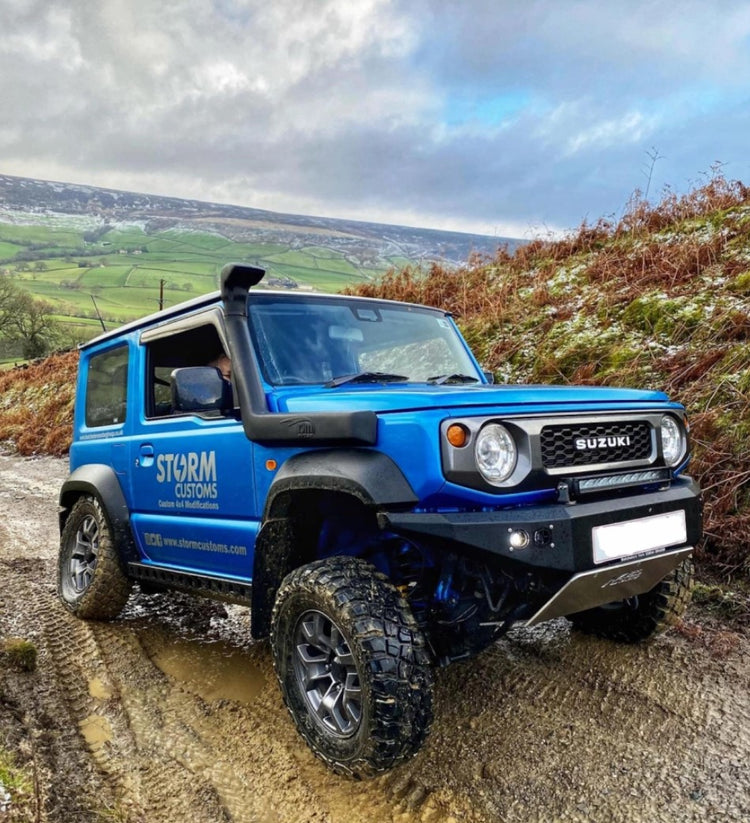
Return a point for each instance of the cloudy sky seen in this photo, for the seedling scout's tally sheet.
(505, 117)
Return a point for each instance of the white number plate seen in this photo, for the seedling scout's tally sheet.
(637, 536)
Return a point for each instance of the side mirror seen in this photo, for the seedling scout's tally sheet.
(489, 376)
(200, 389)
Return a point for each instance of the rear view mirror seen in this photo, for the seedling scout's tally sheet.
(200, 389)
(348, 333)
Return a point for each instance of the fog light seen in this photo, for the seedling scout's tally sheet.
(519, 539)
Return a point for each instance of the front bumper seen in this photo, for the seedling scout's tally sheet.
(561, 555)
(561, 534)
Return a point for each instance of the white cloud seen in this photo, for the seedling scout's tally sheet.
(369, 108)
(632, 127)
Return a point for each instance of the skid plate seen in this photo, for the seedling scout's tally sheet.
(607, 585)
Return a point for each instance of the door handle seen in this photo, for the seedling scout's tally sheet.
(145, 455)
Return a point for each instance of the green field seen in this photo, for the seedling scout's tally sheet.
(9, 249)
(81, 269)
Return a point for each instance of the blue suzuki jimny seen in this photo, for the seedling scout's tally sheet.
(361, 484)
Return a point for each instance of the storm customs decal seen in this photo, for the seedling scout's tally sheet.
(191, 476)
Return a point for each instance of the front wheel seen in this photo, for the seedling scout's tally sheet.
(352, 665)
(641, 617)
(90, 579)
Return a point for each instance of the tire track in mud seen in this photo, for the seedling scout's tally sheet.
(249, 751)
(167, 753)
(585, 730)
(151, 757)
(75, 657)
(49, 728)
(169, 723)
(565, 717)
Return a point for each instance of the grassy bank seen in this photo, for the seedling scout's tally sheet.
(36, 405)
(659, 299)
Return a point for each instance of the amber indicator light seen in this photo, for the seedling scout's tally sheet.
(457, 435)
(271, 465)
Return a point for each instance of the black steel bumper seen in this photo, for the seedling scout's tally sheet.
(560, 534)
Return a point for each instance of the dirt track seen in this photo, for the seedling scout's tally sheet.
(171, 713)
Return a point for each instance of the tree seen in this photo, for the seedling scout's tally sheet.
(26, 321)
(8, 295)
(35, 327)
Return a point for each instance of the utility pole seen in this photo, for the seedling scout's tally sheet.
(98, 314)
(161, 294)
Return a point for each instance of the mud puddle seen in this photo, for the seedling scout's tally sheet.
(96, 730)
(212, 671)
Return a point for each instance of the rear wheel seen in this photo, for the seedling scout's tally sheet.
(90, 580)
(639, 618)
(352, 665)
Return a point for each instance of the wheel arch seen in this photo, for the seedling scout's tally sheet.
(100, 481)
(364, 479)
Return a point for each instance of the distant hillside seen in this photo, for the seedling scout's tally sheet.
(100, 255)
(240, 223)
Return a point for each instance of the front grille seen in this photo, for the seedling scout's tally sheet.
(588, 444)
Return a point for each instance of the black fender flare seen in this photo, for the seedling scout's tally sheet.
(368, 476)
(101, 481)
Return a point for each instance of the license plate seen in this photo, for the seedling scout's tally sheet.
(633, 537)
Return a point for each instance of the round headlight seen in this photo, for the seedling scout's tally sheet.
(495, 453)
(672, 440)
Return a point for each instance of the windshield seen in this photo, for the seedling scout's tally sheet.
(310, 341)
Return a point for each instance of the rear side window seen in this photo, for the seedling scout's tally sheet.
(107, 388)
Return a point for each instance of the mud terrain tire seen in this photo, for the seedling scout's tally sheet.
(641, 617)
(90, 579)
(352, 665)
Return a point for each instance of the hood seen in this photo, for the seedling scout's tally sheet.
(486, 398)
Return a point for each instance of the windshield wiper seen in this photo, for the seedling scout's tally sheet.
(366, 377)
(440, 379)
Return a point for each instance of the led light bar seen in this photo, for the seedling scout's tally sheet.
(611, 481)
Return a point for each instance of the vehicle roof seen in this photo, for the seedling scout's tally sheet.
(214, 299)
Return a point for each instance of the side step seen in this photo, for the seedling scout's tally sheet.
(607, 585)
(218, 588)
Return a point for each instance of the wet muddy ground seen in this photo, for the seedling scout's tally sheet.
(171, 713)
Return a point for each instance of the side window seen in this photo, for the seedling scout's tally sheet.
(200, 346)
(107, 388)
